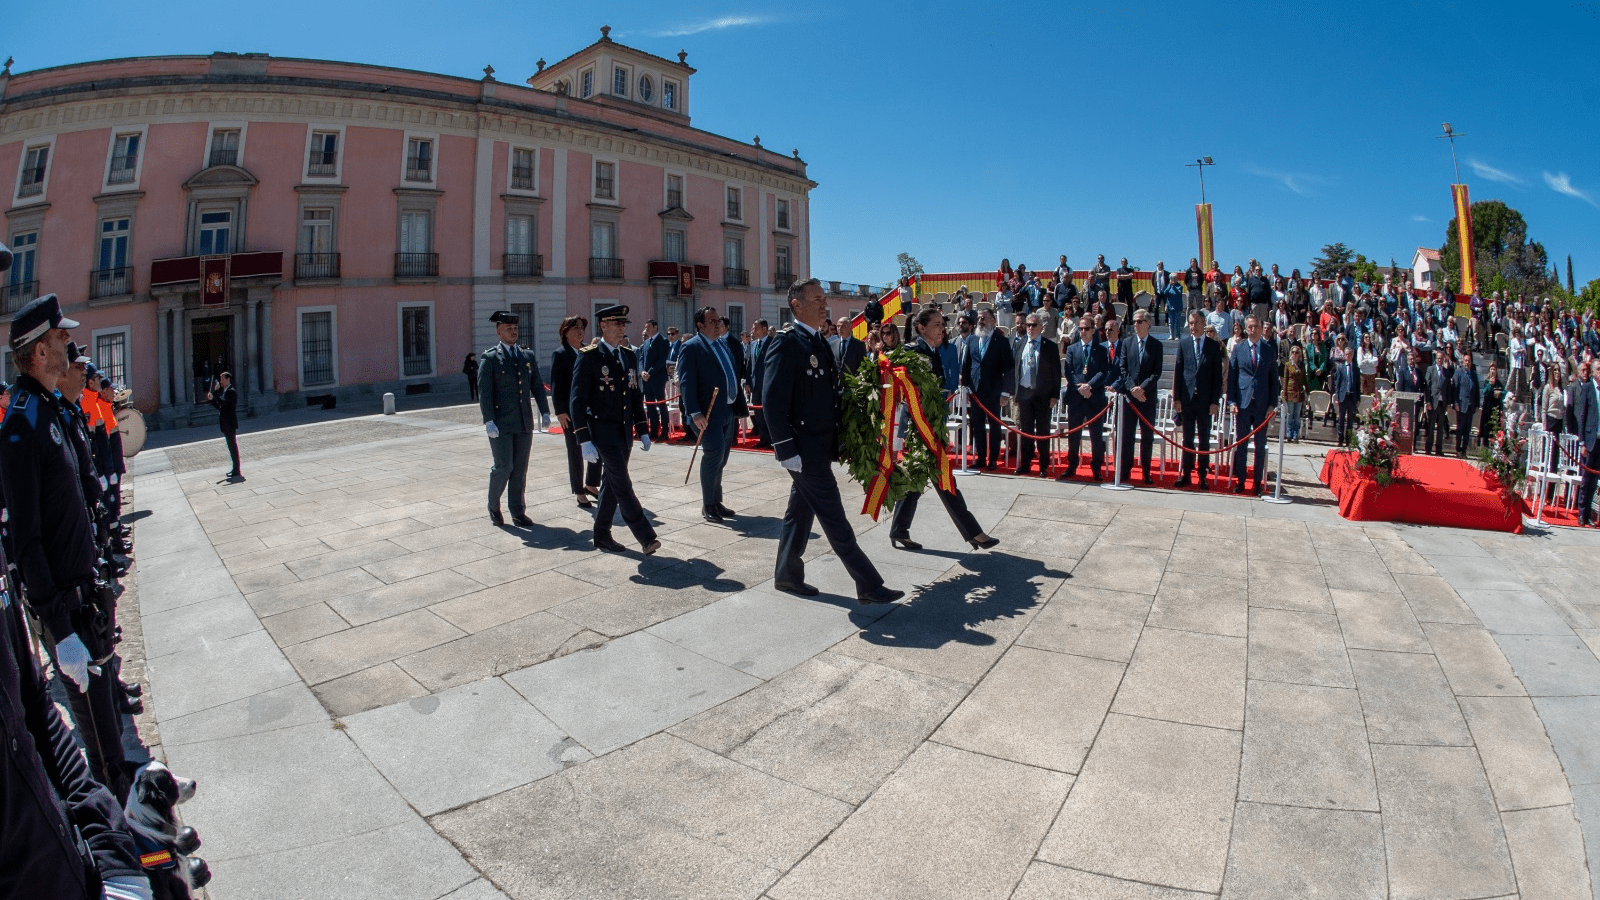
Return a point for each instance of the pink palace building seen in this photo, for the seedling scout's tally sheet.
(334, 229)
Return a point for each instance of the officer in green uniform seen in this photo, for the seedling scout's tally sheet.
(508, 383)
(607, 412)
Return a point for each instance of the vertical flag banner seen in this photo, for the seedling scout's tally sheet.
(1469, 274)
(1202, 220)
(214, 280)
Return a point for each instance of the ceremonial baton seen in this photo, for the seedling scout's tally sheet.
(700, 437)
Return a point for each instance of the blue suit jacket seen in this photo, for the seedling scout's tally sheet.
(653, 359)
(699, 373)
(989, 375)
(1254, 385)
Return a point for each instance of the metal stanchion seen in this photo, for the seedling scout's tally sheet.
(966, 468)
(1116, 450)
(1283, 428)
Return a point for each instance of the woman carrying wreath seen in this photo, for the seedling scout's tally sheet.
(930, 334)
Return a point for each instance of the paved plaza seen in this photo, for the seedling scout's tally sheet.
(1145, 695)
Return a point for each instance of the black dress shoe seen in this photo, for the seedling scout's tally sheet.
(497, 517)
(880, 594)
(710, 515)
(1148, 479)
(802, 589)
(1238, 488)
(604, 542)
(1184, 481)
(650, 547)
(725, 512)
(904, 543)
(983, 542)
(522, 521)
(1205, 485)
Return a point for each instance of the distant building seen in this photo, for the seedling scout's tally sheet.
(1428, 272)
(332, 228)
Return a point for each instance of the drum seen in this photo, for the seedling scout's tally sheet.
(131, 423)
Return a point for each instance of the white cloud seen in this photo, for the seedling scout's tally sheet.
(1490, 173)
(1420, 218)
(716, 24)
(1289, 181)
(1562, 184)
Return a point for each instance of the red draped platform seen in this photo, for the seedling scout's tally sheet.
(1427, 490)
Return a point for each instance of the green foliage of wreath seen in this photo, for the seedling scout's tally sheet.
(862, 426)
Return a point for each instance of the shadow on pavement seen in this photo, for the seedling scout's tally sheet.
(986, 588)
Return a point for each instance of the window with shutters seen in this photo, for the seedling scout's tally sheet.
(675, 245)
(605, 180)
(324, 157)
(216, 232)
(224, 147)
(316, 348)
(522, 169)
(416, 340)
(124, 158)
(35, 166)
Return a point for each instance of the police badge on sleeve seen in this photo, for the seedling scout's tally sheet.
(55, 433)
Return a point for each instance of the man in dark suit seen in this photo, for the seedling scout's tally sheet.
(1464, 398)
(1438, 395)
(653, 351)
(226, 400)
(1139, 378)
(1086, 370)
(708, 365)
(1407, 372)
(1196, 392)
(852, 350)
(1347, 393)
(986, 372)
(1038, 385)
(1588, 402)
(760, 334)
(607, 412)
(801, 397)
(1252, 394)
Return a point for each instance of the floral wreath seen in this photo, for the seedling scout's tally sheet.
(863, 427)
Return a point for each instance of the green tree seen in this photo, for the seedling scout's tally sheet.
(1505, 260)
(1365, 270)
(1590, 297)
(908, 265)
(1334, 257)
(1570, 288)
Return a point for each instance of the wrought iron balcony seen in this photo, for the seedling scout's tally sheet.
(16, 296)
(111, 282)
(522, 178)
(311, 266)
(783, 280)
(419, 168)
(604, 267)
(416, 265)
(223, 156)
(523, 265)
(122, 169)
(736, 277)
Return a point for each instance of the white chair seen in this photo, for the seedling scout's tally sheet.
(1383, 385)
(1536, 467)
(1564, 468)
(1365, 404)
(941, 297)
(1165, 425)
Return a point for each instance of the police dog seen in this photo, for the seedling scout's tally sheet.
(164, 846)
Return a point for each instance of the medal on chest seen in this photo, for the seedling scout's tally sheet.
(633, 379)
(815, 368)
(605, 378)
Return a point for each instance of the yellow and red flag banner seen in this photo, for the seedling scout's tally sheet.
(1202, 221)
(1469, 273)
(892, 306)
(895, 386)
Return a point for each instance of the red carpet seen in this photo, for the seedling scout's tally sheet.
(1427, 490)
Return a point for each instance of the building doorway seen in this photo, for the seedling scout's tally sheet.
(212, 340)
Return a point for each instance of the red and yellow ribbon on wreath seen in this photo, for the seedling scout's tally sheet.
(895, 386)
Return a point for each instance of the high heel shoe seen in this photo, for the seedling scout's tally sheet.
(983, 542)
(904, 543)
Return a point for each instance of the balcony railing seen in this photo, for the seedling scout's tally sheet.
(416, 265)
(604, 267)
(16, 296)
(111, 282)
(122, 169)
(31, 187)
(522, 178)
(674, 199)
(783, 281)
(223, 156)
(523, 265)
(320, 166)
(739, 277)
(310, 266)
(419, 168)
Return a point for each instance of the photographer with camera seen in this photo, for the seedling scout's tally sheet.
(226, 400)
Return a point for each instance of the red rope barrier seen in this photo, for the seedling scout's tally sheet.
(1233, 446)
(1556, 439)
(1039, 437)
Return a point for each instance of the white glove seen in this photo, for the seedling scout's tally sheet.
(544, 421)
(590, 454)
(792, 463)
(72, 658)
(492, 429)
(644, 442)
(126, 887)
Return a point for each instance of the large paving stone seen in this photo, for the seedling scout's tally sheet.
(1185, 676)
(1056, 509)
(283, 597)
(948, 824)
(1407, 700)
(339, 560)
(194, 577)
(1378, 622)
(462, 745)
(1035, 707)
(1114, 568)
(515, 645)
(1440, 827)
(627, 689)
(216, 673)
(1195, 555)
(285, 707)
(407, 861)
(661, 819)
(1472, 661)
(369, 688)
(1280, 852)
(1046, 882)
(635, 603)
(1286, 585)
(1484, 573)
(1547, 852)
(1514, 611)
(1089, 622)
(1517, 756)
(1306, 746)
(1552, 665)
(1057, 540)
(395, 598)
(758, 632)
(198, 624)
(354, 649)
(1432, 599)
(304, 624)
(834, 724)
(1573, 724)
(1298, 647)
(1347, 571)
(1209, 604)
(510, 601)
(1154, 803)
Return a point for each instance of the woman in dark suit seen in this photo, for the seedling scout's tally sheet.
(584, 483)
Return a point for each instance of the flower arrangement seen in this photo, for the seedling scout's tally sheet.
(862, 426)
(1376, 442)
(1501, 458)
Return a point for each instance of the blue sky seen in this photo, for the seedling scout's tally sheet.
(961, 133)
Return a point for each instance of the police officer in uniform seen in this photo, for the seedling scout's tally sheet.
(607, 412)
(508, 384)
(53, 536)
(801, 400)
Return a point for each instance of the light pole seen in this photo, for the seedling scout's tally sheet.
(1450, 135)
(1201, 164)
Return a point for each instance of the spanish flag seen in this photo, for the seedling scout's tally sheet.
(893, 305)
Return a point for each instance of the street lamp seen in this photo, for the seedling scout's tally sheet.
(1201, 164)
(1450, 135)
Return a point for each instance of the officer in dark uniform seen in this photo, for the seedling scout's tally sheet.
(53, 535)
(508, 384)
(607, 411)
(801, 399)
